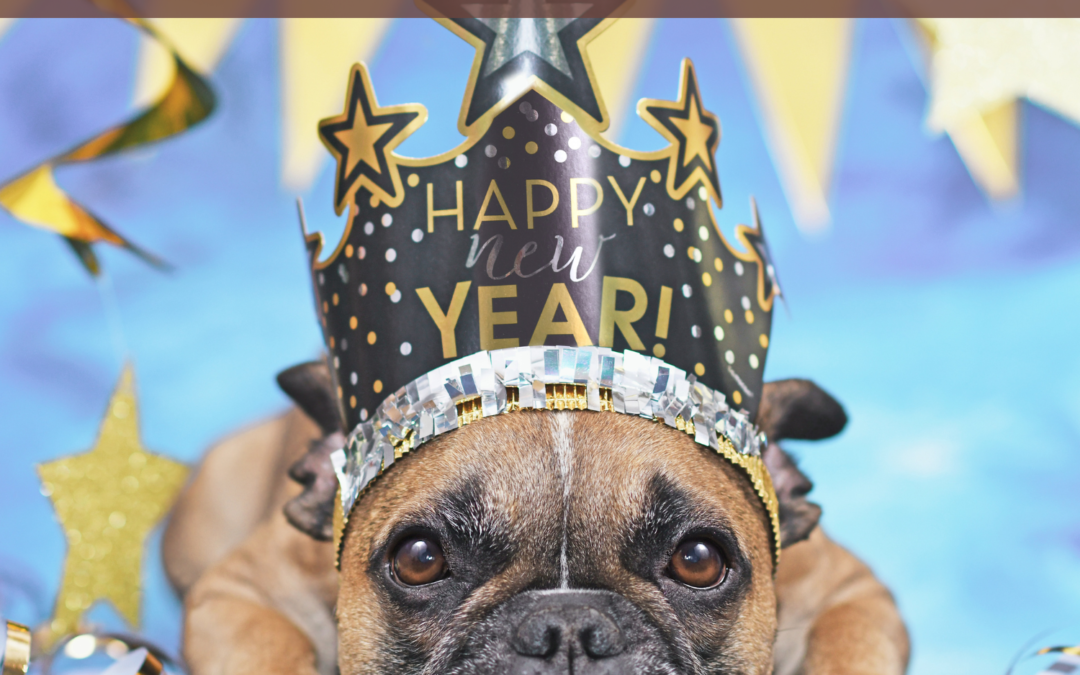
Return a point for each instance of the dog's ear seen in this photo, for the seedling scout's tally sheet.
(797, 409)
(309, 386)
(312, 511)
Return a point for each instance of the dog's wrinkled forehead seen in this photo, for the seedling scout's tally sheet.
(550, 484)
(538, 502)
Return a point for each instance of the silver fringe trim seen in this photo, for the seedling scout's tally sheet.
(640, 385)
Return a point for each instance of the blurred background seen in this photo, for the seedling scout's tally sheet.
(918, 182)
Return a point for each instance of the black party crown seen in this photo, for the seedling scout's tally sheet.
(535, 230)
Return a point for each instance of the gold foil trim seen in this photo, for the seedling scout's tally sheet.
(340, 519)
(562, 397)
(684, 425)
(469, 410)
(406, 444)
(761, 480)
(567, 397)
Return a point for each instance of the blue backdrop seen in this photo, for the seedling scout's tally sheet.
(946, 325)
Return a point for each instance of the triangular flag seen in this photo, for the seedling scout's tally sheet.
(799, 69)
(617, 55)
(987, 142)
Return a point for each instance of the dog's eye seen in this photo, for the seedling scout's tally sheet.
(419, 561)
(698, 563)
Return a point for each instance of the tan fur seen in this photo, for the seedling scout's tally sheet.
(835, 617)
(240, 483)
(267, 606)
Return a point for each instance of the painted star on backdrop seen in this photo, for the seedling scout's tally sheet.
(754, 239)
(695, 133)
(514, 54)
(107, 501)
(361, 140)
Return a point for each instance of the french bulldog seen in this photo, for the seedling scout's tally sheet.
(526, 543)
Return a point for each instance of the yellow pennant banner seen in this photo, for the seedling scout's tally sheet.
(36, 199)
(799, 68)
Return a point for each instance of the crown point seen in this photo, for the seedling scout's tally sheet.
(694, 133)
(362, 139)
(515, 55)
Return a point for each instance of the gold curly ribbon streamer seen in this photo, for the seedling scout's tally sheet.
(36, 199)
(15, 652)
(1072, 651)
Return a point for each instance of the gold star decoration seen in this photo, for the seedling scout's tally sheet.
(107, 501)
(361, 140)
(514, 55)
(697, 135)
(980, 68)
(694, 133)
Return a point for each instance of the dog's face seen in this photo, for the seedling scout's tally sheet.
(558, 542)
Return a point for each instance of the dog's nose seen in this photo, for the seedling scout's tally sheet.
(569, 625)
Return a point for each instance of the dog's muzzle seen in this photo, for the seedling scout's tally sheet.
(567, 625)
(566, 631)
